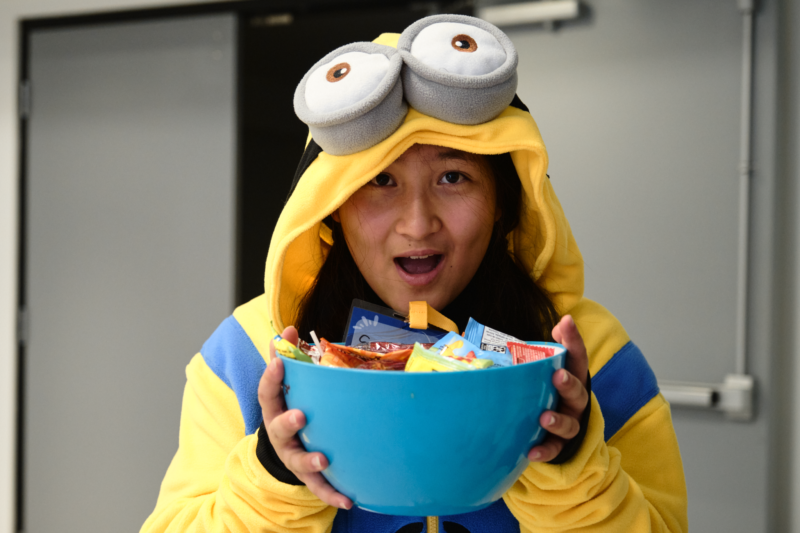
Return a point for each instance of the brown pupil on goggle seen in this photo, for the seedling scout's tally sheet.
(464, 43)
(338, 72)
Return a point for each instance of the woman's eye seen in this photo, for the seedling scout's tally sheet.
(382, 180)
(452, 177)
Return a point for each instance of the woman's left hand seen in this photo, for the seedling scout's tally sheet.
(570, 382)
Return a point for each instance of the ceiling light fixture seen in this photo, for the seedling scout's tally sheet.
(530, 12)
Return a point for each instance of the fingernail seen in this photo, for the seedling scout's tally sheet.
(293, 419)
(535, 455)
(550, 420)
(564, 376)
(316, 462)
(343, 506)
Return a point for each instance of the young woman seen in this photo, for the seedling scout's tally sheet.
(459, 213)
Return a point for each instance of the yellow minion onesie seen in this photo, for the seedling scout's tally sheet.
(449, 81)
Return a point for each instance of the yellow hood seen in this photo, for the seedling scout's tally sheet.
(543, 241)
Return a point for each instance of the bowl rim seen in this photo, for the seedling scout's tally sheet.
(562, 355)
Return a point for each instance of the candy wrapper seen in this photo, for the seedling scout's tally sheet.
(424, 360)
(350, 357)
(370, 323)
(526, 353)
(386, 347)
(286, 348)
(451, 353)
(457, 347)
(382, 343)
(491, 341)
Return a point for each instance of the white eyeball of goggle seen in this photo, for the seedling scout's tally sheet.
(455, 68)
(352, 98)
(458, 68)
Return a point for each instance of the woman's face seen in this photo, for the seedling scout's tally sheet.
(419, 230)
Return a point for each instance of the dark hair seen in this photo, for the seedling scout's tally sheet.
(500, 295)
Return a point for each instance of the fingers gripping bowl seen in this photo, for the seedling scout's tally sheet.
(422, 444)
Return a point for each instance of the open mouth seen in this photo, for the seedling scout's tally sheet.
(418, 264)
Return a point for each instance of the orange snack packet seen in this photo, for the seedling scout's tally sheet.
(349, 357)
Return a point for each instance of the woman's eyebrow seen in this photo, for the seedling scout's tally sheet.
(454, 154)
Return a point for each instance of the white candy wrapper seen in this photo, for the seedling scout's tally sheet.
(491, 341)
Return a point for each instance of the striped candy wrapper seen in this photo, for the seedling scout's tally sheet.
(526, 353)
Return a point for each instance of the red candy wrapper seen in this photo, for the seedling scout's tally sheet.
(350, 357)
(526, 353)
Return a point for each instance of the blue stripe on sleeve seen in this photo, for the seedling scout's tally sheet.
(233, 357)
(623, 386)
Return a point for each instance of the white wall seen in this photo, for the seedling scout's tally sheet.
(640, 109)
(11, 12)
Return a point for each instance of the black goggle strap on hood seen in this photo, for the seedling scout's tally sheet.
(455, 68)
(309, 155)
(516, 102)
(313, 150)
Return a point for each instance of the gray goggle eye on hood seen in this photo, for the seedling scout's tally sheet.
(441, 80)
(456, 48)
(352, 98)
(455, 68)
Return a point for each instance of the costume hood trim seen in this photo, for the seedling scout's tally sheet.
(543, 241)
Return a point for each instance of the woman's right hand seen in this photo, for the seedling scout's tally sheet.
(282, 427)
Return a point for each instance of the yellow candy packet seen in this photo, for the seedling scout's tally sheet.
(478, 364)
(424, 360)
(286, 348)
(454, 346)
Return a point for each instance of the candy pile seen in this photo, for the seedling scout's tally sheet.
(480, 347)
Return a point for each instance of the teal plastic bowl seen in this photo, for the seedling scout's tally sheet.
(422, 444)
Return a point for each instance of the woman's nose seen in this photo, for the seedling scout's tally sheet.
(418, 218)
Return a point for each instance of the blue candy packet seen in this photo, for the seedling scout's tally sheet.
(455, 344)
(371, 323)
(491, 342)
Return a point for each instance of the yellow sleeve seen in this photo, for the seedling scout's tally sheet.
(215, 481)
(633, 483)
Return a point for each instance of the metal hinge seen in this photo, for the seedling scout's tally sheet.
(22, 326)
(25, 99)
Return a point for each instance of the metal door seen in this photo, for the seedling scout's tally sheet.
(129, 196)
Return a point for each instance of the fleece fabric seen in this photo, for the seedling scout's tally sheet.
(362, 107)
(471, 85)
(627, 475)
